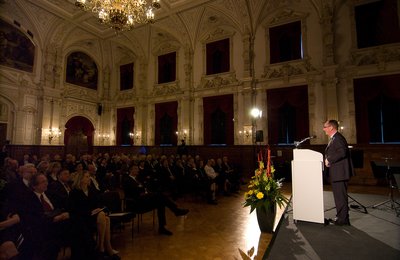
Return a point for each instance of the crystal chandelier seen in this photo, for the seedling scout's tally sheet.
(121, 15)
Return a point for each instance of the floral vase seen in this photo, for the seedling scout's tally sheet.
(266, 219)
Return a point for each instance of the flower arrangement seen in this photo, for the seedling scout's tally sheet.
(264, 191)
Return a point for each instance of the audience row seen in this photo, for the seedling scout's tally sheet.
(52, 203)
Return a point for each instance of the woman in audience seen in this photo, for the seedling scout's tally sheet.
(87, 216)
(78, 170)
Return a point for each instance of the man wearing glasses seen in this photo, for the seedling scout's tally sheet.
(338, 162)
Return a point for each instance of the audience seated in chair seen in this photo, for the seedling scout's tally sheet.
(59, 190)
(231, 174)
(139, 199)
(87, 216)
(10, 234)
(212, 175)
(45, 228)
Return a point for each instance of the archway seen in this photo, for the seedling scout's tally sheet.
(78, 136)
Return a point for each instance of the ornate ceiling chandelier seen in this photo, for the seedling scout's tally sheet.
(121, 15)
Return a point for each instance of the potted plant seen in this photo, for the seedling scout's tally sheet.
(264, 194)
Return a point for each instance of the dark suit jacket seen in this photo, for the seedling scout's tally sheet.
(43, 237)
(132, 188)
(33, 216)
(338, 155)
(58, 194)
(136, 198)
(17, 192)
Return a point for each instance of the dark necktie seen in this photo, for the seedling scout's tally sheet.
(45, 204)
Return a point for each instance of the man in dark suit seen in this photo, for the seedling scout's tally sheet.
(338, 162)
(17, 190)
(58, 191)
(140, 199)
(48, 227)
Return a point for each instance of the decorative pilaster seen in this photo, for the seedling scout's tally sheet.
(329, 83)
(328, 35)
(248, 55)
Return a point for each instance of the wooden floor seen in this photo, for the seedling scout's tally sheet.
(224, 231)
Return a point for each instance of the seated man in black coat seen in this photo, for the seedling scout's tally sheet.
(139, 199)
(58, 191)
(48, 226)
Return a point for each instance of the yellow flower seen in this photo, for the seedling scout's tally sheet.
(261, 165)
(260, 195)
(250, 192)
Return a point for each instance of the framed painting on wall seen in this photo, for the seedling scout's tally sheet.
(16, 50)
(81, 70)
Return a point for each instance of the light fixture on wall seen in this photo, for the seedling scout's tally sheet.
(182, 134)
(121, 15)
(103, 137)
(245, 133)
(135, 136)
(53, 133)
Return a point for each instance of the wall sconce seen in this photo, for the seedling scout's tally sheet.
(135, 136)
(103, 137)
(183, 134)
(53, 133)
(245, 133)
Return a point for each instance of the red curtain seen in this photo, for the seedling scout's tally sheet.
(225, 105)
(125, 125)
(77, 124)
(367, 90)
(165, 132)
(295, 97)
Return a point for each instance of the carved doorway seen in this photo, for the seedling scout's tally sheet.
(78, 137)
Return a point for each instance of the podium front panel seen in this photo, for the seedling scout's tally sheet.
(307, 186)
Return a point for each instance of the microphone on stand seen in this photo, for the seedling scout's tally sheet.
(298, 143)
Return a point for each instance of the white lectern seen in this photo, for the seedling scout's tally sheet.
(307, 188)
